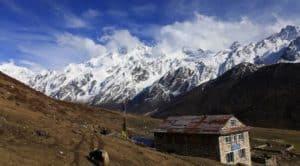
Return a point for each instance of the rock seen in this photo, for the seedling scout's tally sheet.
(3, 119)
(76, 131)
(99, 157)
(41, 133)
(105, 131)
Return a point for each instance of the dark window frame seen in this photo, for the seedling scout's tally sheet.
(242, 153)
(235, 138)
(228, 139)
(230, 157)
(233, 123)
(241, 136)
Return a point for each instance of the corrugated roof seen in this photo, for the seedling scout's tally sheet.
(206, 124)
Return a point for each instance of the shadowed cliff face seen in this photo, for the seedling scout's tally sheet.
(268, 96)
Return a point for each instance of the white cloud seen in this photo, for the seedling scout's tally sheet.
(201, 32)
(211, 33)
(70, 48)
(84, 45)
(51, 55)
(110, 42)
(31, 65)
(120, 39)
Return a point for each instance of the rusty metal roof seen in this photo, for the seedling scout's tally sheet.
(206, 124)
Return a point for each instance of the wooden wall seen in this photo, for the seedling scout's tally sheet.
(188, 144)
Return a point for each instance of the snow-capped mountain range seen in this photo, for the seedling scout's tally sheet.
(143, 74)
(20, 73)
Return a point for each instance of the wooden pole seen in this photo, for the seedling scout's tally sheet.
(124, 125)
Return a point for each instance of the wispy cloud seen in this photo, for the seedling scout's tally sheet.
(73, 21)
(117, 13)
(69, 48)
(80, 21)
(144, 9)
(12, 6)
(69, 18)
(31, 65)
(91, 13)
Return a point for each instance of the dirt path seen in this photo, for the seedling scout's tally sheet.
(76, 150)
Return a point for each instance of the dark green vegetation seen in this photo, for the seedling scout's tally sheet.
(265, 97)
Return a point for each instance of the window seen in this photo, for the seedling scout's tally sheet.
(228, 139)
(235, 138)
(242, 153)
(229, 157)
(241, 136)
(233, 123)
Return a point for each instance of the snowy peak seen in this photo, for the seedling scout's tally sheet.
(113, 78)
(241, 60)
(241, 70)
(146, 74)
(235, 45)
(20, 73)
(292, 52)
(267, 51)
(288, 33)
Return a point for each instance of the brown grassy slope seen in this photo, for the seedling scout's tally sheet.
(72, 131)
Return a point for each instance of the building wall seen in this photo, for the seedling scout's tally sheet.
(228, 126)
(225, 148)
(188, 144)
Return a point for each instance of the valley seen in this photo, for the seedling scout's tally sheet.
(38, 130)
(149, 83)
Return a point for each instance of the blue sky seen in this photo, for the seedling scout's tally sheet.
(50, 34)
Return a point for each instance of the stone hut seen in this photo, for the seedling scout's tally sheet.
(219, 137)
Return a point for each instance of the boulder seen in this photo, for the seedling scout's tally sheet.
(99, 157)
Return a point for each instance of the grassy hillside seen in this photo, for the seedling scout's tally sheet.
(37, 130)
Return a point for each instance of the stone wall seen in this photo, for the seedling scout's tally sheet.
(240, 144)
(228, 126)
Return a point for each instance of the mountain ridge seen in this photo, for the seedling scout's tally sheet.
(258, 96)
(38, 130)
(137, 74)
